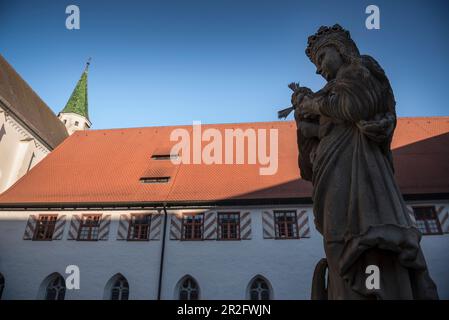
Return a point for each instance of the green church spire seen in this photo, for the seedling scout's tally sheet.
(78, 100)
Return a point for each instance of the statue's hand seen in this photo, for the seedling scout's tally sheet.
(379, 128)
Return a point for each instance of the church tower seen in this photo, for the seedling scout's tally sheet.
(75, 114)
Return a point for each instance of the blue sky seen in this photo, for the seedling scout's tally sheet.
(172, 62)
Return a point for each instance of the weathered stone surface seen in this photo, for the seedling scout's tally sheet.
(344, 133)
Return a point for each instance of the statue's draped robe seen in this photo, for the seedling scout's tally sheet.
(358, 206)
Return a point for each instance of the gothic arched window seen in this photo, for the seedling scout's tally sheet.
(120, 288)
(55, 288)
(188, 289)
(259, 289)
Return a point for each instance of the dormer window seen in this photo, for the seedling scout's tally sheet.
(164, 153)
(155, 179)
(158, 172)
(164, 157)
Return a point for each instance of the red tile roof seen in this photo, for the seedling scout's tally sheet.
(105, 167)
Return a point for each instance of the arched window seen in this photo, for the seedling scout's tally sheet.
(259, 289)
(188, 289)
(2, 285)
(117, 288)
(55, 289)
(120, 289)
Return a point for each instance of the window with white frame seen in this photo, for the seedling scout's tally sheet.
(286, 226)
(139, 227)
(427, 220)
(192, 226)
(89, 227)
(228, 225)
(45, 226)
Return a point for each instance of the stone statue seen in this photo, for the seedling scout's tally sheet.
(344, 134)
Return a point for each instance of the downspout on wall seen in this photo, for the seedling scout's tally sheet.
(161, 267)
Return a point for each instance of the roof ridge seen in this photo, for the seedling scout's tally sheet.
(189, 125)
(234, 123)
(424, 117)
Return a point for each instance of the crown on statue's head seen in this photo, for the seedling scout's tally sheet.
(336, 36)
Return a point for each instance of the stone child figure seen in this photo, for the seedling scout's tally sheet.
(344, 134)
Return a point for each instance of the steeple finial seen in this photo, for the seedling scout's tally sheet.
(86, 69)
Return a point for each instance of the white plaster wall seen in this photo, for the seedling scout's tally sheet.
(70, 120)
(223, 269)
(287, 264)
(436, 251)
(17, 146)
(25, 263)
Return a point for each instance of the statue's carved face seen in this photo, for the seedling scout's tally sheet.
(328, 62)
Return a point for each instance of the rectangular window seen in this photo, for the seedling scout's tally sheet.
(192, 226)
(229, 225)
(427, 220)
(285, 224)
(90, 224)
(139, 227)
(45, 226)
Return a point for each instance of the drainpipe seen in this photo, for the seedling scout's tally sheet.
(161, 267)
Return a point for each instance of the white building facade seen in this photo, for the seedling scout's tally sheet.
(20, 149)
(29, 130)
(220, 269)
(138, 226)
